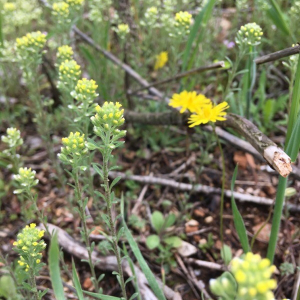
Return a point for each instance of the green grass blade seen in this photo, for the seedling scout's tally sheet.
(77, 282)
(294, 144)
(292, 150)
(280, 196)
(54, 268)
(102, 297)
(1, 29)
(295, 104)
(237, 218)
(291, 147)
(199, 25)
(143, 264)
(277, 16)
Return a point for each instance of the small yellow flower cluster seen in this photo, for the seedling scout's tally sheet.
(249, 35)
(30, 43)
(9, 7)
(108, 118)
(85, 90)
(13, 138)
(76, 4)
(69, 72)
(26, 179)
(183, 20)
(29, 246)
(203, 109)
(61, 11)
(259, 270)
(161, 60)
(74, 148)
(250, 278)
(152, 11)
(122, 30)
(64, 52)
(150, 18)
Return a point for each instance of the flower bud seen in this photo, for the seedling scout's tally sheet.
(85, 90)
(31, 43)
(13, 138)
(64, 52)
(183, 20)
(26, 179)
(249, 35)
(122, 30)
(31, 254)
(69, 73)
(108, 117)
(74, 148)
(75, 4)
(61, 12)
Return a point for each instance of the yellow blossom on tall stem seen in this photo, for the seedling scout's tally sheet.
(161, 60)
(189, 100)
(208, 113)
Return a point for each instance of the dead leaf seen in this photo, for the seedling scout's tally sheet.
(240, 159)
(87, 284)
(199, 212)
(264, 234)
(97, 230)
(250, 160)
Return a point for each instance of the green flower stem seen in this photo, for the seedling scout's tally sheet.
(33, 284)
(233, 73)
(106, 155)
(41, 118)
(223, 185)
(251, 66)
(78, 193)
(40, 215)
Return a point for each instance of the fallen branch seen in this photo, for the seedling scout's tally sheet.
(200, 188)
(277, 55)
(109, 263)
(274, 155)
(217, 65)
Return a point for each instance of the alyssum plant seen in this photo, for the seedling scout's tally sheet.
(106, 123)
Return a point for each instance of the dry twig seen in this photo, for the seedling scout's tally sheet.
(277, 55)
(217, 65)
(200, 189)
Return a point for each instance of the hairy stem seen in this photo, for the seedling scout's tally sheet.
(33, 284)
(78, 193)
(111, 222)
(223, 186)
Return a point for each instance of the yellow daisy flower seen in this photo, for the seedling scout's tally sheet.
(209, 113)
(189, 100)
